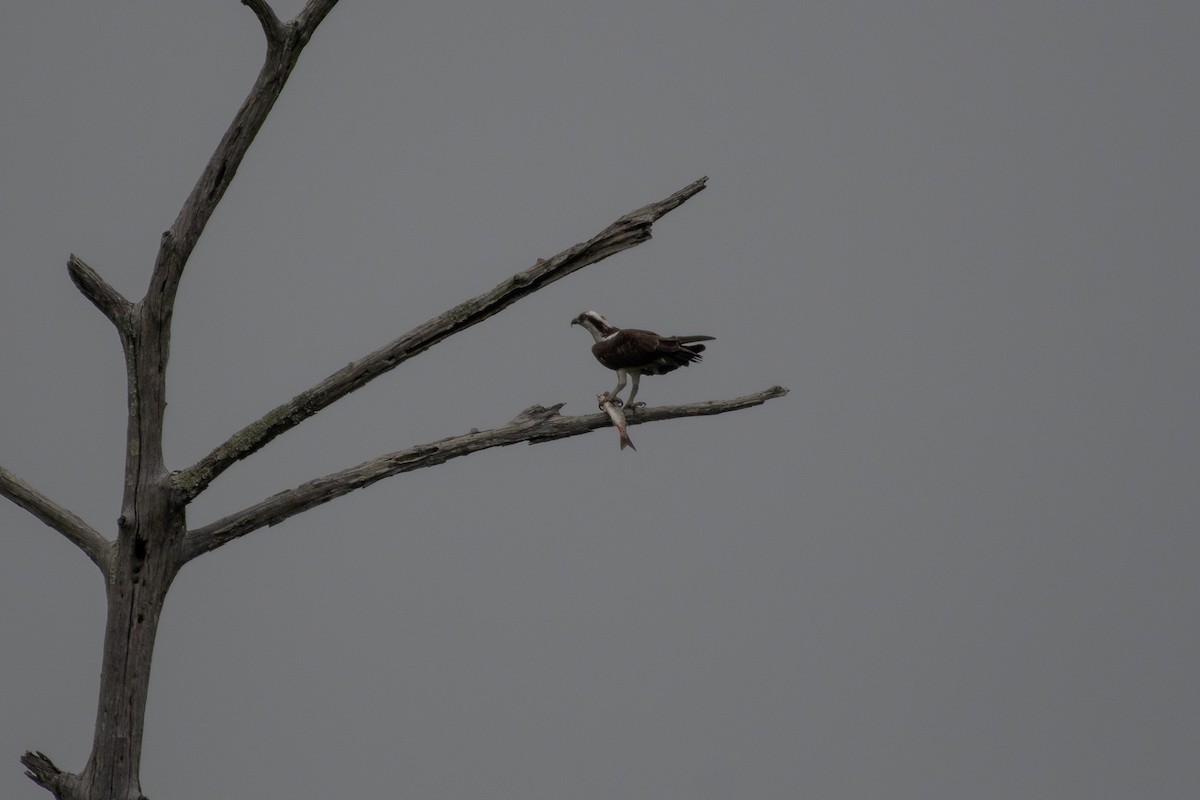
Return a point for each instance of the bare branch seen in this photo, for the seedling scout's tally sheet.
(630, 230)
(78, 532)
(272, 27)
(103, 296)
(42, 771)
(284, 44)
(535, 424)
(148, 349)
(310, 17)
(704, 408)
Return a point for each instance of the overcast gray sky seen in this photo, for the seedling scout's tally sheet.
(957, 561)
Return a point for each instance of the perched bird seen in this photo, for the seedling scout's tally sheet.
(633, 353)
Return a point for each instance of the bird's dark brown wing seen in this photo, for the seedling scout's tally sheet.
(631, 348)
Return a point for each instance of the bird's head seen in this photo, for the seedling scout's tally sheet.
(594, 324)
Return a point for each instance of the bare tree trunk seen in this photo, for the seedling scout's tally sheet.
(147, 559)
(153, 541)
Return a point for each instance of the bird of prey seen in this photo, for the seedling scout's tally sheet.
(634, 353)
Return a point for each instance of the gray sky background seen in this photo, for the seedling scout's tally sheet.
(958, 560)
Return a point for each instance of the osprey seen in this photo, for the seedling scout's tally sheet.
(632, 352)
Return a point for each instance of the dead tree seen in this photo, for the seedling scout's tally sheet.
(152, 537)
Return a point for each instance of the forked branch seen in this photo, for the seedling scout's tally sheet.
(284, 44)
(534, 424)
(630, 230)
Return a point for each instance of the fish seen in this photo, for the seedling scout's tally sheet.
(605, 403)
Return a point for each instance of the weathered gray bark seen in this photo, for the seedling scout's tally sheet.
(148, 549)
(152, 539)
(630, 230)
(534, 424)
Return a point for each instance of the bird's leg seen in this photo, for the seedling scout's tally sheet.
(629, 404)
(616, 401)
